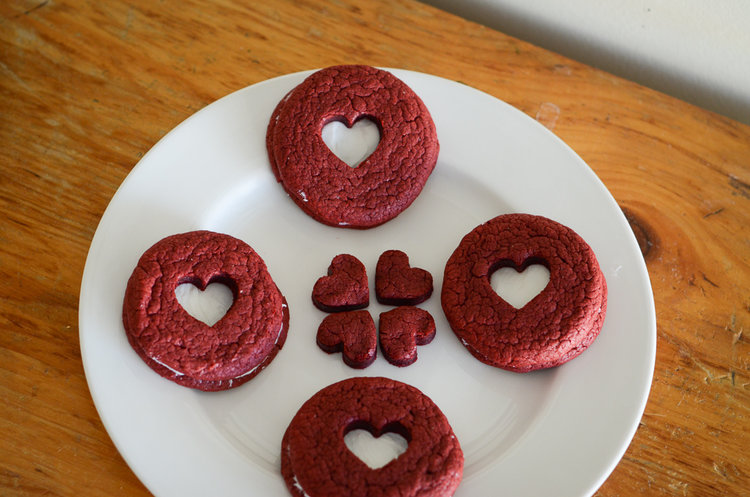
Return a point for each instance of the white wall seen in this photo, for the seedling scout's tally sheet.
(696, 50)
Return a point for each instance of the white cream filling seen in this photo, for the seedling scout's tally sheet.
(157, 361)
(299, 487)
(231, 380)
(278, 336)
(295, 481)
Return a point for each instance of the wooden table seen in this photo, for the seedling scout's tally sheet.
(88, 87)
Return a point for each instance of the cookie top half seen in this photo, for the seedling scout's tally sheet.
(184, 349)
(325, 187)
(556, 325)
(316, 462)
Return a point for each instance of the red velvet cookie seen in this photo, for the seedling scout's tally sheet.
(353, 334)
(401, 330)
(345, 288)
(556, 325)
(324, 186)
(186, 350)
(396, 283)
(315, 461)
(269, 134)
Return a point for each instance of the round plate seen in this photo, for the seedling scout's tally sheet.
(554, 432)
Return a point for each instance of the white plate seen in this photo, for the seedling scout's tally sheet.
(556, 432)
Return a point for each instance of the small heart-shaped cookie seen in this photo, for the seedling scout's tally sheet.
(345, 288)
(401, 330)
(352, 333)
(396, 283)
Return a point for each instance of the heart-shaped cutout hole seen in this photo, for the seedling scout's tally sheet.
(209, 305)
(374, 451)
(352, 145)
(519, 286)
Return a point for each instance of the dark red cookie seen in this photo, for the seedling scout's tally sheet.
(353, 334)
(396, 283)
(345, 288)
(324, 186)
(401, 330)
(186, 350)
(556, 325)
(315, 461)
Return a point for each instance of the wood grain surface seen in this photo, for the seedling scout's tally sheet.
(86, 88)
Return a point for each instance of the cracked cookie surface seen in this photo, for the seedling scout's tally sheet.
(324, 186)
(344, 288)
(397, 283)
(401, 330)
(551, 329)
(315, 461)
(185, 350)
(353, 334)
